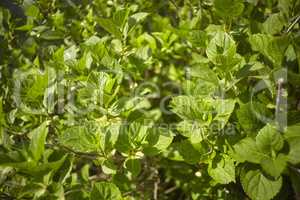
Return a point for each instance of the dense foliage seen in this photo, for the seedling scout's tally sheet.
(170, 99)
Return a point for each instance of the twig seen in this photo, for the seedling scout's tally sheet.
(293, 24)
(174, 3)
(85, 154)
(155, 190)
(170, 190)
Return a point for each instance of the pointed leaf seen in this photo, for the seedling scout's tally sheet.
(38, 139)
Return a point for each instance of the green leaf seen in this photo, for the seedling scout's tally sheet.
(2, 115)
(274, 24)
(271, 47)
(224, 108)
(259, 187)
(222, 169)
(105, 191)
(274, 166)
(192, 108)
(70, 53)
(269, 139)
(110, 26)
(133, 166)
(52, 35)
(221, 49)
(206, 81)
(85, 172)
(32, 11)
(248, 116)
(185, 151)
(81, 138)
(85, 62)
(229, 8)
(120, 17)
(137, 18)
(158, 140)
(247, 150)
(293, 138)
(204, 73)
(109, 167)
(132, 136)
(192, 130)
(38, 140)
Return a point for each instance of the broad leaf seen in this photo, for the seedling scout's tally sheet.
(222, 169)
(133, 166)
(110, 26)
(259, 187)
(229, 8)
(158, 141)
(192, 108)
(247, 150)
(274, 166)
(81, 138)
(271, 47)
(274, 23)
(248, 116)
(224, 108)
(269, 139)
(105, 191)
(192, 130)
(221, 49)
(293, 138)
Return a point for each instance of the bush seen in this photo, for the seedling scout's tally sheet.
(149, 99)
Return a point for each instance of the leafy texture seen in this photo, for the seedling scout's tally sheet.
(149, 99)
